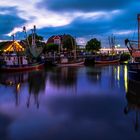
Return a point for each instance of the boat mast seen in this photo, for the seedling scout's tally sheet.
(138, 31)
(24, 30)
(33, 37)
(112, 42)
(14, 48)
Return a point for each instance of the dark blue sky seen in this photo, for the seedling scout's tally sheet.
(84, 19)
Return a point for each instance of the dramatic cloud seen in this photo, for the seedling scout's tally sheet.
(85, 5)
(84, 19)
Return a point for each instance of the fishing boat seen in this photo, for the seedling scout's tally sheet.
(134, 49)
(110, 58)
(65, 60)
(22, 61)
(23, 67)
(107, 59)
(71, 63)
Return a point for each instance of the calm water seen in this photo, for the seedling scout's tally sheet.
(82, 103)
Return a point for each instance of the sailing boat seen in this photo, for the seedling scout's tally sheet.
(27, 60)
(111, 58)
(134, 65)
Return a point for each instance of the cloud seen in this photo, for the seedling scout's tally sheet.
(44, 18)
(9, 22)
(35, 16)
(82, 19)
(84, 5)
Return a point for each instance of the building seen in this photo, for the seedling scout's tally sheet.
(55, 40)
(117, 50)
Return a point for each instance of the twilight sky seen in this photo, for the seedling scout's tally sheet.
(83, 19)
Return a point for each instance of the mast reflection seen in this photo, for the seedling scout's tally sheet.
(36, 84)
(64, 76)
(35, 80)
(14, 81)
(94, 74)
(63, 80)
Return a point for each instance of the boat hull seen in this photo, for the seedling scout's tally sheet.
(107, 61)
(35, 66)
(70, 64)
(134, 71)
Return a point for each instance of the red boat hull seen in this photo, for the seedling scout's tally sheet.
(70, 64)
(36, 66)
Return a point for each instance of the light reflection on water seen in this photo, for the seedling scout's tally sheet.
(68, 103)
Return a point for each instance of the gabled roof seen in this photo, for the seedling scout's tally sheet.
(51, 39)
(57, 37)
(11, 46)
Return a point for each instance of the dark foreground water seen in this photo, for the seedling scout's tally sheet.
(80, 103)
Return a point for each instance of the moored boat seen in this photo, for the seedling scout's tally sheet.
(71, 63)
(107, 59)
(110, 58)
(23, 67)
(25, 60)
(134, 65)
(134, 71)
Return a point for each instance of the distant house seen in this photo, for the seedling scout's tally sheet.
(65, 41)
(55, 39)
(11, 46)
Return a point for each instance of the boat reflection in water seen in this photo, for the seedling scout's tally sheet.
(14, 81)
(34, 81)
(133, 100)
(64, 76)
(62, 81)
(94, 75)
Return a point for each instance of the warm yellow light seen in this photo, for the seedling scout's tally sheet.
(16, 45)
(126, 78)
(18, 86)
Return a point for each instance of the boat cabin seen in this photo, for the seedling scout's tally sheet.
(13, 53)
(14, 59)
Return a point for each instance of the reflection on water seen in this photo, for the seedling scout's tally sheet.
(126, 78)
(36, 83)
(63, 77)
(67, 103)
(94, 75)
(133, 101)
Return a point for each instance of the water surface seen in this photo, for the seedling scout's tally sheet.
(69, 103)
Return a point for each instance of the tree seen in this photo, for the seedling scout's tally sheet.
(68, 42)
(37, 38)
(51, 47)
(93, 45)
